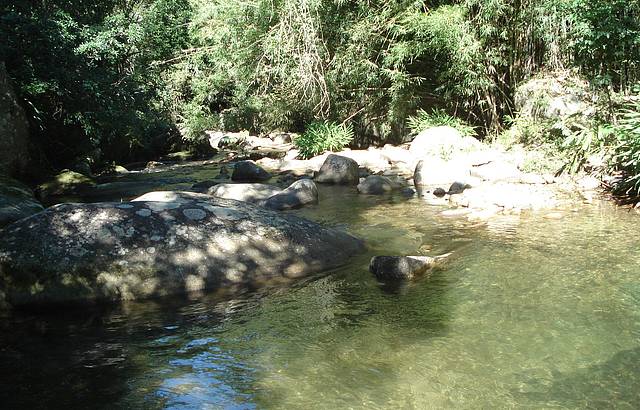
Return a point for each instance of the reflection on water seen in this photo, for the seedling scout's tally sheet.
(531, 312)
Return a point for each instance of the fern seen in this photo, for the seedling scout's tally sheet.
(323, 136)
(436, 118)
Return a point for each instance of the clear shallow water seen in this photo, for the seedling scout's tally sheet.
(530, 313)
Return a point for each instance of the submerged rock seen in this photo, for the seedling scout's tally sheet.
(403, 267)
(407, 192)
(16, 201)
(249, 171)
(79, 253)
(376, 185)
(244, 192)
(297, 195)
(224, 173)
(338, 170)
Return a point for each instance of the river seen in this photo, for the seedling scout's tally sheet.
(532, 311)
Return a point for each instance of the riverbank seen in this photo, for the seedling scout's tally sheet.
(496, 180)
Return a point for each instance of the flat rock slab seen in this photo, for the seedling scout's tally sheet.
(82, 253)
(244, 192)
(507, 196)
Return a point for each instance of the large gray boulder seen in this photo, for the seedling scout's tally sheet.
(244, 192)
(434, 171)
(338, 170)
(297, 195)
(80, 253)
(14, 129)
(249, 171)
(555, 97)
(16, 201)
(403, 267)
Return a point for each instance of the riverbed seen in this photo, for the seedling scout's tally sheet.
(537, 310)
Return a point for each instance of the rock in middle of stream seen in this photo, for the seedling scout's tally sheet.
(403, 267)
(73, 253)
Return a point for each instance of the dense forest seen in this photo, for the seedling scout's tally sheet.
(124, 80)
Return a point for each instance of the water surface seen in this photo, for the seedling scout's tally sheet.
(531, 312)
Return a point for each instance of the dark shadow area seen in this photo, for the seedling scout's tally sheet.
(98, 357)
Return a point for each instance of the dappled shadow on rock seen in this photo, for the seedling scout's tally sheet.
(123, 251)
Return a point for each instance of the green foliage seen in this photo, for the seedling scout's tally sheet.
(284, 64)
(526, 131)
(423, 120)
(606, 44)
(627, 149)
(132, 78)
(582, 143)
(88, 77)
(323, 136)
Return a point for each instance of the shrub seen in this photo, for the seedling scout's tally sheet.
(423, 120)
(627, 149)
(323, 136)
(580, 144)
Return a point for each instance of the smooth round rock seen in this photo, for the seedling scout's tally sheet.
(249, 171)
(338, 170)
(375, 185)
(439, 192)
(399, 267)
(300, 193)
(458, 188)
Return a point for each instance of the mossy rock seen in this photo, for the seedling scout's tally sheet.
(119, 169)
(66, 182)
